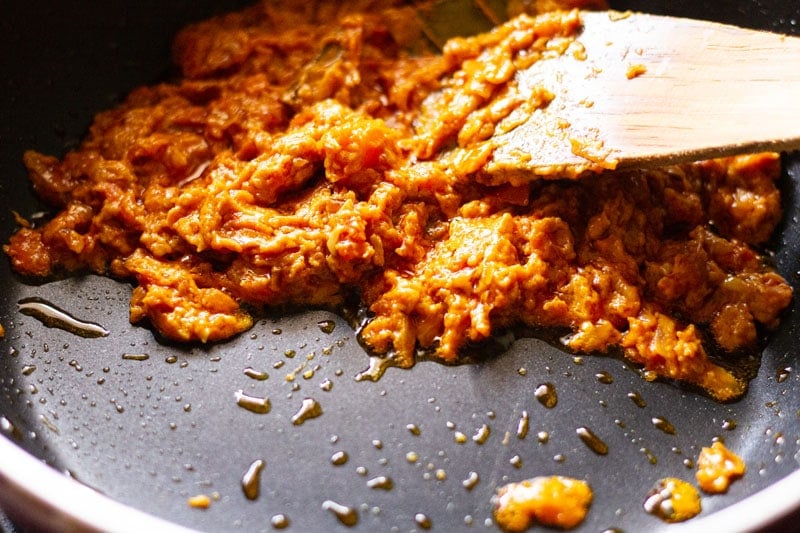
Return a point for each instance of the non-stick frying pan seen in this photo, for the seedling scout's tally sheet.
(118, 432)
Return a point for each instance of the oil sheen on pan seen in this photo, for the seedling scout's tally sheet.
(334, 165)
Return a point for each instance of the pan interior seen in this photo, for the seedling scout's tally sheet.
(151, 424)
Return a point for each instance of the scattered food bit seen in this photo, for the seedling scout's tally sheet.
(717, 467)
(673, 500)
(201, 501)
(21, 221)
(553, 501)
(634, 71)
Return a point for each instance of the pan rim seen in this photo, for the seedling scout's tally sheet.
(35, 494)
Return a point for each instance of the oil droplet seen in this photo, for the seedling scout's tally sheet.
(326, 385)
(339, 458)
(459, 437)
(604, 377)
(279, 521)
(8, 428)
(53, 317)
(49, 425)
(348, 516)
(637, 399)
(592, 441)
(309, 409)
(412, 457)
(688, 463)
(440, 474)
(380, 482)
(413, 429)
(783, 374)
(377, 367)
(559, 458)
(651, 458)
(326, 326)
(471, 481)
(523, 425)
(663, 424)
(255, 374)
(522, 371)
(650, 375)
(422, 521)
(135, 356)
(251, 479)
(516, 461)
(171, 359)
(729, 424)
(252, 403)
(546, 394)
(27, 370)
(543, 437)
(482, 434)
(378, 444)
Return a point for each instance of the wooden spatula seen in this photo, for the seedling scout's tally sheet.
(656, 90)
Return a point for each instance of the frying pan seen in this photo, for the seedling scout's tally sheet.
(117, 432)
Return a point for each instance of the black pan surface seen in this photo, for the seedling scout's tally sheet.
(145, 434)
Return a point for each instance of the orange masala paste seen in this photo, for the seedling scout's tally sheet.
(315, 152)
(717, 468)
(551, 501)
